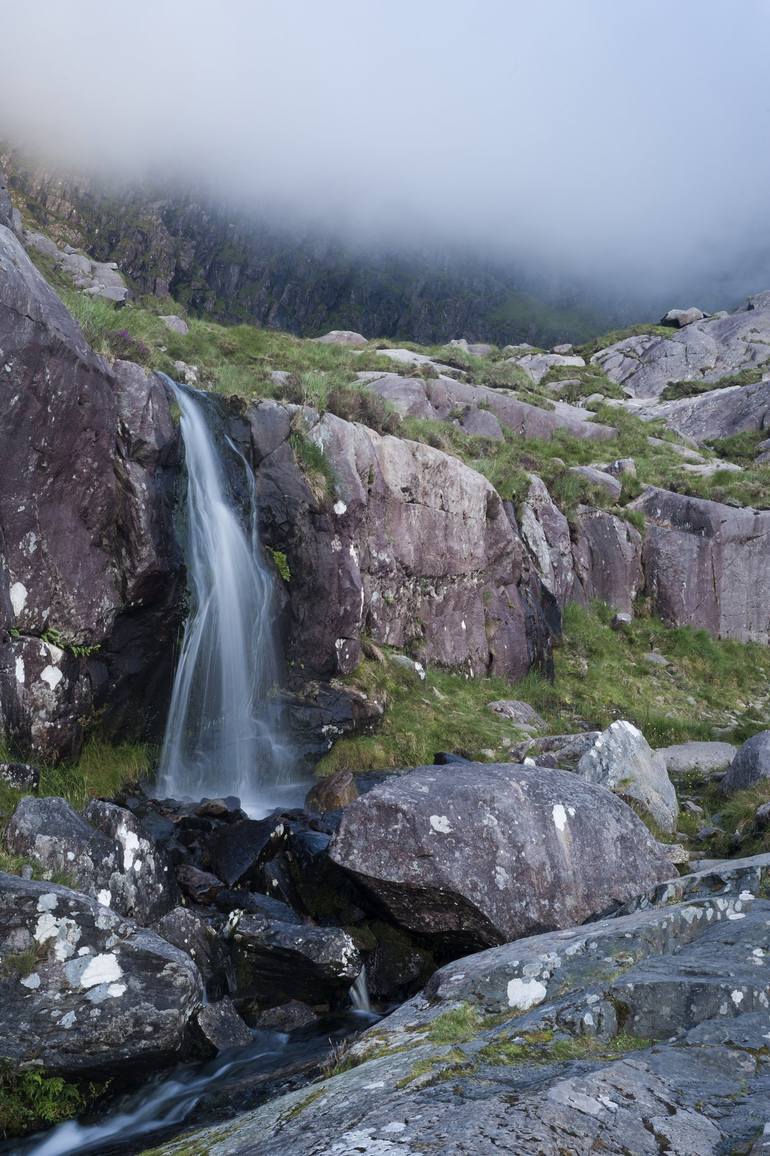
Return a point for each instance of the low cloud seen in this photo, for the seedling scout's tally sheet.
(622, 144)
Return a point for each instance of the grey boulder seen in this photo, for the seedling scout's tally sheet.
(83, 990)
(702, 758)
(622, 760)
(342, 337)
(489, 853)
(750, 766)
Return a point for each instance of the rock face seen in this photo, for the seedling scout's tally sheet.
(636, 1034)
(750, 766)
(276, 961)
(703, 351)
(720, 413)
(490, 853)
(96, 278)
(621, 760)
(86, 959)
(80, 533)
(706, 565)
(106, 854)
(408, 545)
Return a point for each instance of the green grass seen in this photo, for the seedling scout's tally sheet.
(676, 389)
(601, 675)
(544, 1048)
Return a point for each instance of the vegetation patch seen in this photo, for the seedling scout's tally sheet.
(31, 1100)
(676, 389)
(544, 1048)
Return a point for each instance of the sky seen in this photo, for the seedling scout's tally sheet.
(626, 141)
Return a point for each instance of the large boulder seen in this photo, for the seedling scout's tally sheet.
(750, 766)
(342, 337)
(406, 545)
(706, 564)
(703, 351)
(622, 760)
(491, 853)
(276, 961)
(697, 757)
(84, 991)
(719, 413)
(106, 854)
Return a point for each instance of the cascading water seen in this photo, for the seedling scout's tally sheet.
(224, 734)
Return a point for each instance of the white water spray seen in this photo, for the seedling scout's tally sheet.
(224, 734)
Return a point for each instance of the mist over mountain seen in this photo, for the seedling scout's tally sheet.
(570, 153)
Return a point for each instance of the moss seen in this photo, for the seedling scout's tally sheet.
(676, 389)
(543, 1048)
(455, 1026)
(302, 1105)
(31, 1100)
(314, 464)
(281, 563)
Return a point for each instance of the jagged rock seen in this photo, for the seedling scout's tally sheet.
(600, 478)
(175, 324)
(254, 903)
(342, 337)
(106, 853)
(188, 931)
(517, 712)
(561, 752)
(622, 468)
(704, 758)
(332, 793)
(87, 959)
(720, 413)
(221, 1026)
(565, 347)
(200, 886)
(275, 962)
(284, 1018)
(622, 760)
(6, 208)
(682, 317)
(240, 848)
(750, 766)
(493, 852)
(20, 776)
(607, 559)
(546, 532)
(637, 1034)
(481, 423)
(704, 351)
(705, 564)
(96, 278)
(621, 622)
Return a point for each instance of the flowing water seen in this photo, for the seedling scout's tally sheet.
(224, 733)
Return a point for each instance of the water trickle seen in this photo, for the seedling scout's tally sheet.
(359, 993)
(225, 733)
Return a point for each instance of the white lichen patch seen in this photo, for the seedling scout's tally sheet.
(340, 508)
(523, 994)
(559, 816)
(19, 595)
(89, 971)
(21, 676)
(104, 897)
(441, 824)
(31, 981)
(64, 932)
(52, 676)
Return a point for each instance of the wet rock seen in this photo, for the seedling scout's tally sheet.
(255, 903)
(275, 962)
(114, 862)
(287, 1017)
(622, 760)
(20, 776)
(705, 564)
(397, 965)
(67, 958)
(196, 936)
(750, 766)
(332, 793)
(494, 852)
(699, 757)
(200, 886)
(240, 848)
(520, 713)
(221, 1026)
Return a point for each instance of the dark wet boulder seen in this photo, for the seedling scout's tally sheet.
(200, 939)
(488, 853)
(332, 792)
(275, 962)
(221, 1027)
(109, 859)
(85, 991)
(750, 766)
(254, 903)
(239, 848)
(200, 886)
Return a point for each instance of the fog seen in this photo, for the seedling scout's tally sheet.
(626, 144)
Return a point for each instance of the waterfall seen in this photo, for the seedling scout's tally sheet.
(224, 733)
(359, 993)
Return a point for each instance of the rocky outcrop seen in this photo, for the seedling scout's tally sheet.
(719, 413)
(106, 854)
(80, 572)
(698, 757)
(494, 852)
(96, 278)
(276, 961)
(706, 564)
(635, 1034)
(397, 540)
(84, 991)
(440, 398)
(750, 766)
(703, 351)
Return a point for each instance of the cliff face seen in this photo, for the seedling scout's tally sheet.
(234, 270)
